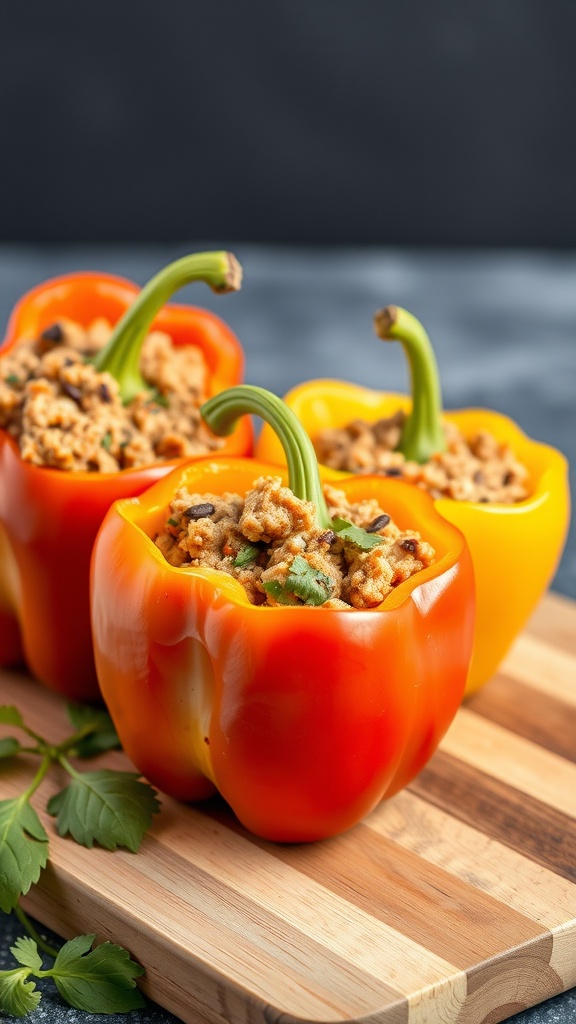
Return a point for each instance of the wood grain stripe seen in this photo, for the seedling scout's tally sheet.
(553, 621)
(508, 876)
(260, 870)
(189, 981)
(526, 711)
(384, 884)
(308, 958)
(490, 748)
(500, 811)
(544, 667)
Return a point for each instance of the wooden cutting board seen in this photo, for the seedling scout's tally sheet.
(453, 903)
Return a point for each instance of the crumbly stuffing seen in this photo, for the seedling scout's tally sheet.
(66, 415)
(479, 469)
(270, 542)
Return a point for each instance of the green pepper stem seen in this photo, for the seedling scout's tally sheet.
(222, 411)
(121, 355)
(422, 435)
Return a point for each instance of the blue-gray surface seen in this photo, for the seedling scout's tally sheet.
(504, 329)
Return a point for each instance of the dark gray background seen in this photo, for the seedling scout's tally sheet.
(297, 121)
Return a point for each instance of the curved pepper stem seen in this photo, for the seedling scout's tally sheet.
(121, 355)
(422, 435)
(222, 411)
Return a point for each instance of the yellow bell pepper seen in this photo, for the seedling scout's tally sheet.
(516, 547)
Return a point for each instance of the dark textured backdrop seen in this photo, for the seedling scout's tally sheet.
(320, 121)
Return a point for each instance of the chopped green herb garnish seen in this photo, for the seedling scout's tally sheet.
(12, 378)
(355, 534)
(279, 592)
(107, 440)
(172, 522)
(249, 553)
(311, 585)
(156, 398)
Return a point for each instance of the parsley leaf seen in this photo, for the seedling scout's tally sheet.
(249, 553)
(9, 715)
(100, 981)
(105, 807)
(18, 997)
(101, 735)
(25, 951)
(23, 850)
(9, 746)
(355, 534)
(279, 592)
(312, 586)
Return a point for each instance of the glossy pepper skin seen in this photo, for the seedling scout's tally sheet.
(302, 718)
(515, 548)
(49, 518)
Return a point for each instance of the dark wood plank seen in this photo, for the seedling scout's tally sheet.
(515, 819)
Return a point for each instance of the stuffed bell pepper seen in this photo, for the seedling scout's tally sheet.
(507, 493)
(100, 388)
(298, 647)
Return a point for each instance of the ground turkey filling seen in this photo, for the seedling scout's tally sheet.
(479, 469)
(270, 542)
(65, 414)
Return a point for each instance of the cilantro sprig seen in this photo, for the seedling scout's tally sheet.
(311, 585)
(110, 808)
(100, 980)
(249, 553)
(355, 534)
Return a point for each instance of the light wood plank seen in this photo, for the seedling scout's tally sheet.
(513, 760)
(540, 665)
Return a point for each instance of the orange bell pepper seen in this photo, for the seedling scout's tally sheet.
(515, 548)
(49, 517)
(303, 718)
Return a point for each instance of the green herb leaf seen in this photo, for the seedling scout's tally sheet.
(12, 378)
(23, 850)
(18, 997)
(9, 746)
(102, 736)
(278, 591)
(106, 441)
(355, 534)
(249, 553)
(312, 586)
(25, 951)
(101, 981)
(105, 807)
(172, 522)
(9, 715)
(157, 398)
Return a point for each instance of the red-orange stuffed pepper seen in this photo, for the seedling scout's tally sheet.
(303, 718)
(49, 516)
